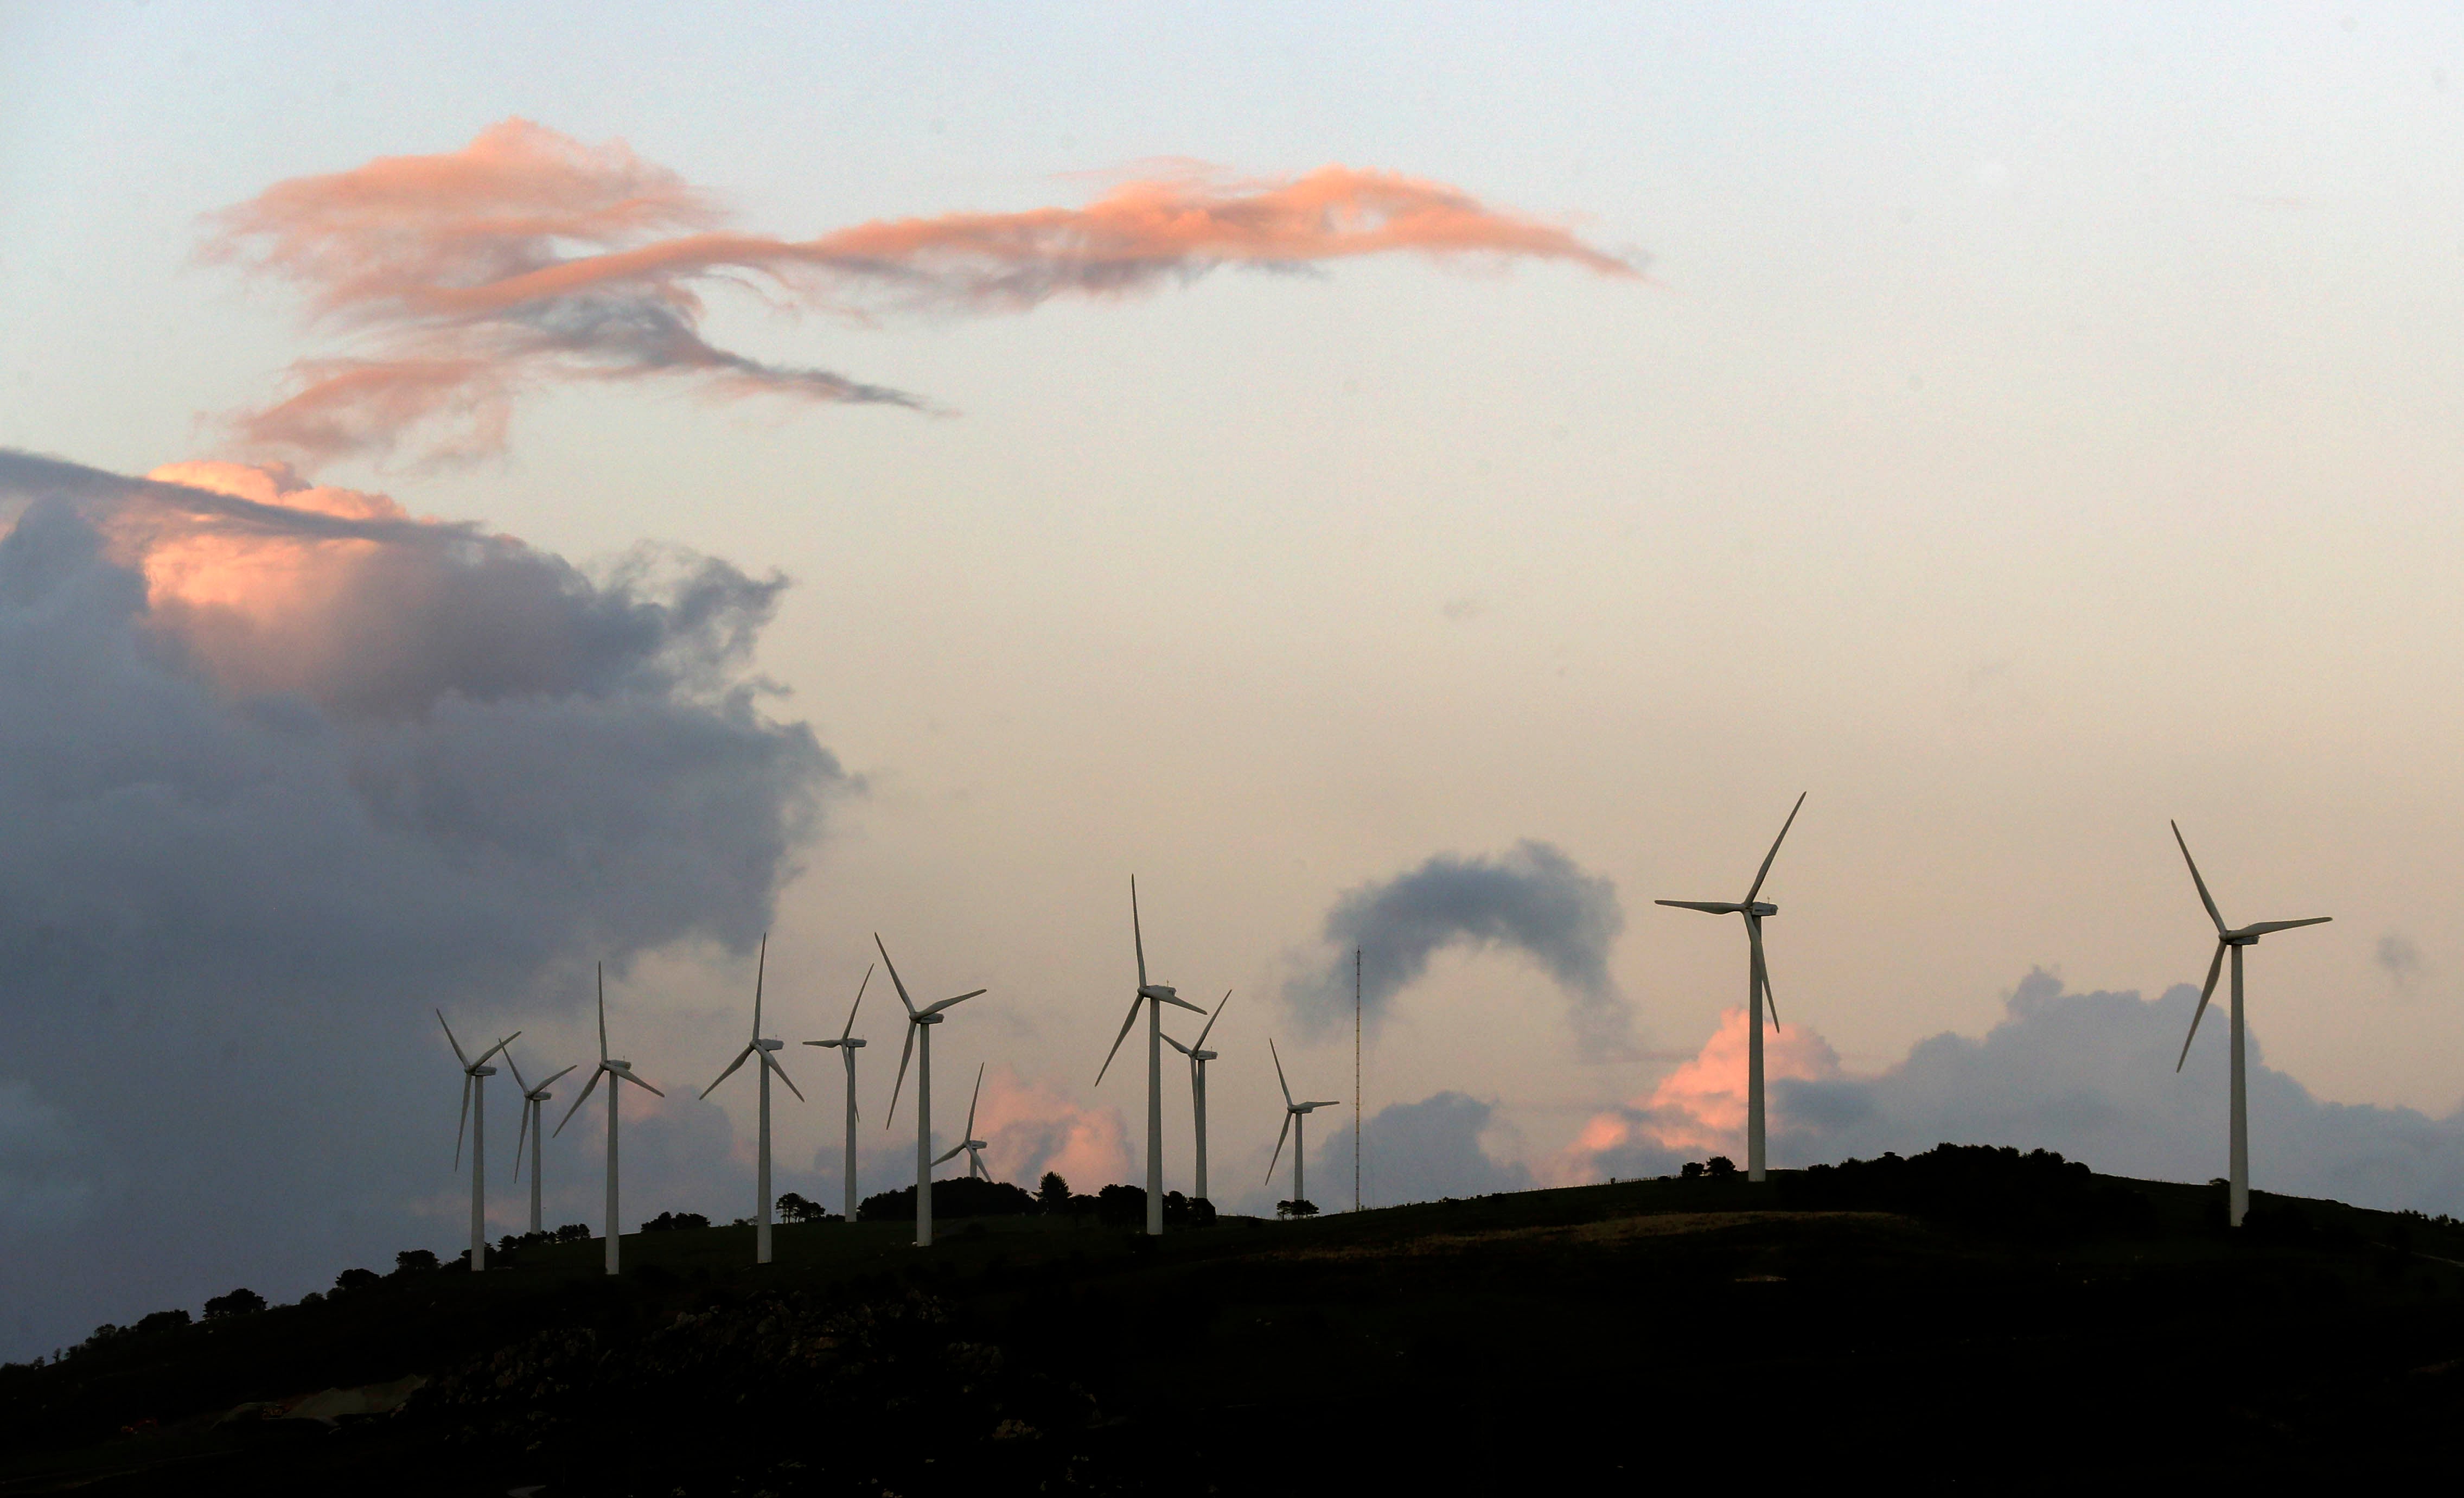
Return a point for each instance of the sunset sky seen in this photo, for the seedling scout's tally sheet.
(1428, 479)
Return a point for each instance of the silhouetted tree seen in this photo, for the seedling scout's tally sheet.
(1052, 1193)
(1300, 1208)
(1176, 1209)
(414, 1260)
(960, 1196)
(1718, 1167)
(674, 1221)
(239, 1303)
(161, 1321)
(1121, 1207)
(1693, 1171)
(796, 1209)
(573, 1233)
(355, 1279)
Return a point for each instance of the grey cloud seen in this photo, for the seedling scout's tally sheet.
(1414, 1152)
(2398, 957)
(224, 916)
(1532, 899)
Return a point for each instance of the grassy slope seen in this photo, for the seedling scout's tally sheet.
(1650, 1326)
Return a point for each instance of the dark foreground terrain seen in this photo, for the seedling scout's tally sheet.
(1967, 1319)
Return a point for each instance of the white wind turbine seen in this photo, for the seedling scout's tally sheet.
(848, 1045)
(475, 1116)
(1758, 986)
(1296, 1124)
(758, 1047)
(919, 1024)
(614, 1071)
(534, 1127)
(2235, 937)
(973, 1147)
(1199, 1056)
(1155, 996)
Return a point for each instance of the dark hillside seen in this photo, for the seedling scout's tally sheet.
(1966, 1317)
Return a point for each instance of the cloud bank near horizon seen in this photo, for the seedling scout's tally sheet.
(2088, 1074)
(1531, 899)
(460, 279)
(283, 767)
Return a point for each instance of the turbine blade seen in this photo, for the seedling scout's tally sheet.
(1325, 1102)
(2266, 926)
(638, 1082)
(1184, 1003)
(1771, 1000)
(462, 1119)
(971, 1101)
(1135, 934)
(499, 1045)
(748, 1051)
(1279, 1145)
(760, 966)
(2205, 898)
(1176, 1046)
(450, 1040)
(947, 1156)
(1764, 873)
(1200, 1044)
(904, 1052)
(772, 1062)
(517, 1069)
(1279, 1070)
(1711, 907)
(603, 1017)
(893, 978)
(859, 1002)
(549, 1082)
(2205, 994)
(593, 1087)
(1131, 1019)
(522, 1133)
(960, 999)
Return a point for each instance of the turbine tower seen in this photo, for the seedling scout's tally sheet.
(2235, 937)
(1296, 1124)
(1758, 986)
(848, 1045)
(919, 1045)
(758, 1047)
(974, 1146)
(614, 1071)
(475, 1116)
(534, 1127)
(1199, 1056)
(1155, 996)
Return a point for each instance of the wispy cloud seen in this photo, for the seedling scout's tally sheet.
(528, 257)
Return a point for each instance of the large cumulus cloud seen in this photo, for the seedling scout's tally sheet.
(283, 767)
(1417, 1152)
(2089, 1074)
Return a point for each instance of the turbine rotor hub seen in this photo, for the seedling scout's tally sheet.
(1763, 908)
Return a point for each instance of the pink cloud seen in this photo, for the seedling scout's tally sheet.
(1033, 1127)
(1700, 1108)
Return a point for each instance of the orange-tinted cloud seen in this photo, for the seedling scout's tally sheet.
(1033, 1127)
(527, 257)
(1700, 1108)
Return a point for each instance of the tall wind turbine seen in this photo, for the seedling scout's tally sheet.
(848, 1045)
(919, 1045)
(758, 1047)
(2235, 937)
(974, 1146)
(534, 1127)
(1155, 996)
(1758, 986)
(475, 1116)
(614, 1071)
(1296, 1124)
(1199, 1056)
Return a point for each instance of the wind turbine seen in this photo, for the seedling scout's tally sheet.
(474, 1114)
(1296, 1124)
(758, 1047)
(534, 1127)
(1758, 986)
(974, 1146)
(919, 1027)
(1155, 996)
(1199, 1056)
(614, 1071)
(848, 1045)
(2235, 937)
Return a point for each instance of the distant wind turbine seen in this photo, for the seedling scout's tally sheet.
(919, 1045)
(1155, 996)
(614, 1071)
(475, 1116)
(1199, 1056)
(2234, 938)
(848, 1045)
(973, 1146)
(534, 1127)
(758, 1047)
(1758, 986)
(1296, 1124)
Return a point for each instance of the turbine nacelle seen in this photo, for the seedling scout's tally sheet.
(490, 1071)
(771, 1044)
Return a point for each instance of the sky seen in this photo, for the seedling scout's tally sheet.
(1430, 481)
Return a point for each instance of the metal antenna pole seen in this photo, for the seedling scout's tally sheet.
(1355, 1079)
